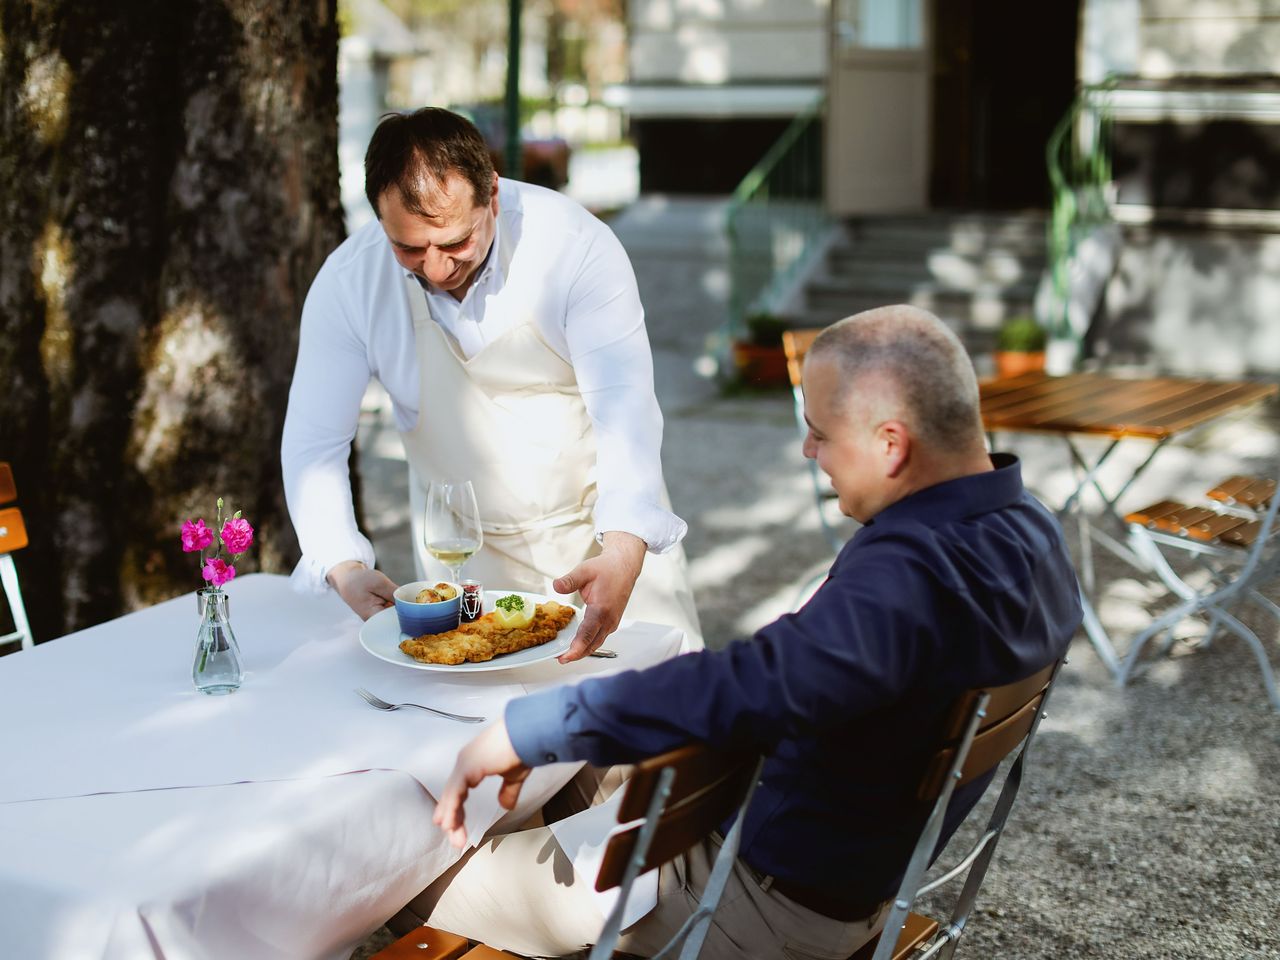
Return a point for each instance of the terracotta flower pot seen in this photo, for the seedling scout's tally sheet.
(1013, 364)
(760, 366)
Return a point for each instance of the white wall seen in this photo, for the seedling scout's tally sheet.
(727, 41)
(1163, 38)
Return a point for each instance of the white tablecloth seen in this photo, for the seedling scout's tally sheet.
(141, 819)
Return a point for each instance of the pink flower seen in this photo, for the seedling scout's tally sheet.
(217, 571)
(237, 535)
(195, 536)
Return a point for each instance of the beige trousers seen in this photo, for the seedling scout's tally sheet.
(519, 892)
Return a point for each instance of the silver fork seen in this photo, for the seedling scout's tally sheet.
(381, 704)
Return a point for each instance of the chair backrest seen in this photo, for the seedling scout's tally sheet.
(13, 532)
(8, 489)
(680, 797)
(985, 726)
(796, 344)
(13, 536)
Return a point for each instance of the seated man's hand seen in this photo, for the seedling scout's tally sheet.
(605, 583)
(365, 591)
(489, 754)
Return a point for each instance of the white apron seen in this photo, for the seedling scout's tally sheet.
(512, 421)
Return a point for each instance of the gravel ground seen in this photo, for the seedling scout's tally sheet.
(1148, 824)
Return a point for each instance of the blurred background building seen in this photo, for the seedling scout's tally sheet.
(1110, 166)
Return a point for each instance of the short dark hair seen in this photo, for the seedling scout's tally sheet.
(413, 152)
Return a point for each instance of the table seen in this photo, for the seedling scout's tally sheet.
(288, 820)
(1150, 409)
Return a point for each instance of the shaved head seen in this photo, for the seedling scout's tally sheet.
(903, 363)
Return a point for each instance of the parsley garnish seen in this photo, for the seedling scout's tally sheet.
(510, 603)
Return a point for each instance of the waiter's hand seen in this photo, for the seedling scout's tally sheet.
(605, 583)
(365, 591)
(489, 754)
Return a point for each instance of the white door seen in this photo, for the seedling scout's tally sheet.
(878, 107)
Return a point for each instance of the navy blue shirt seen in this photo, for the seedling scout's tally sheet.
(959, 585)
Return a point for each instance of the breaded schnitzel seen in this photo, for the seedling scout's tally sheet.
(484, 639)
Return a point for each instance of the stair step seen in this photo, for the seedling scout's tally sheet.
(957, 275)
(962, 310)
(999, 259)
(989, 227)
(965, 237)
(840, 289)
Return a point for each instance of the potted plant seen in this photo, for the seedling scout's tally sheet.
(1020, 346)
(758, 360)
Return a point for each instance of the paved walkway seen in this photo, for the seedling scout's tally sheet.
(1147, 827)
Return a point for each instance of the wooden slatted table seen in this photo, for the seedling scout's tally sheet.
(1091, 403)
(1153, 409)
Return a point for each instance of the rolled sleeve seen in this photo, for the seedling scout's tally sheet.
(660, 529)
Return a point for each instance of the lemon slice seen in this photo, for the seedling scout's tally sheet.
(514, 611)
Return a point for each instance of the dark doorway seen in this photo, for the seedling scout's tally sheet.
(1004, 73)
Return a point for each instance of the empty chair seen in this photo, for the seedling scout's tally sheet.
(13, 537)
(1231, 535)
(683, 796)
(985, 726)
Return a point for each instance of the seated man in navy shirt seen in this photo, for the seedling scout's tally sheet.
(958, 578)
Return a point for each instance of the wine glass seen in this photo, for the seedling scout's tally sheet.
(452, 531)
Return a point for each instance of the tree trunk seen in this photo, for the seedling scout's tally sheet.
(168, 189)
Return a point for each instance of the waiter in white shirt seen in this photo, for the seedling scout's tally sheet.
(505, 323)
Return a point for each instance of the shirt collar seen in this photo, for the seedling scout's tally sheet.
(959, 498)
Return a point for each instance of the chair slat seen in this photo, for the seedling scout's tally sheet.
(681, 825)
(1214, 526)
(1228, 488)
(8, 489)
(13, 532)
(1257, 494)
(1243, 535)
(1003, 701)
(1148, 515)
(796, 344)
(481, 952)
(425, 943)
(696, 769)
(916, 931)
(995, 743)
(989, 747)
(1179, 521)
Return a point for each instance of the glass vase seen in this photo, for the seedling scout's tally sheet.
(216, 669)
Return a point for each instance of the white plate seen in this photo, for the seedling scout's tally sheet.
(381, 636)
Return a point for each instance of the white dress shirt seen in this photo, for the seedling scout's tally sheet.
(356, 325)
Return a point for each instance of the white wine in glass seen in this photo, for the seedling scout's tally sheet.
(452, 531)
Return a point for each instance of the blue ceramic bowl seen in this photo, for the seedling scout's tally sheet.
(419, 618)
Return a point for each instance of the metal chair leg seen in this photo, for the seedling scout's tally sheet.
(9, 578)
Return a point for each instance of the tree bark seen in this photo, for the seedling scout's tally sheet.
(168, 190)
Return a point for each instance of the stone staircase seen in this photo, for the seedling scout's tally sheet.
(971, 269)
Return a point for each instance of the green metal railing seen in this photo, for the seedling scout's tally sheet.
(775, 219)
(1078, 155)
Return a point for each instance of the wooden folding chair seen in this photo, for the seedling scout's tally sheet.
(682, 796)
(796, 344)
(985, 726)
(1232, 535)
(13, 537)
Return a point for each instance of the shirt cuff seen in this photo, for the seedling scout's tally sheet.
(309, 575)
(536, 726)
(660, 529)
